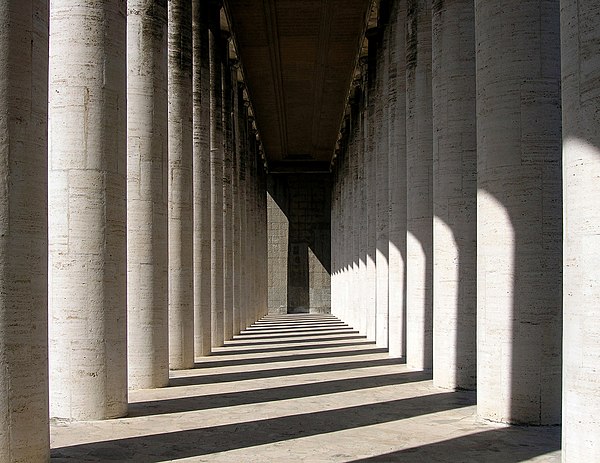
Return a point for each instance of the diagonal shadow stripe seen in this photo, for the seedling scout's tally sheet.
(230, 350)
(235, 342)
(205, 402)
(276, 335)
(205, 441)
(506, 445)
(277, 372)
(287, 358)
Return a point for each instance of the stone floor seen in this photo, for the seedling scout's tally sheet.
(296, 388)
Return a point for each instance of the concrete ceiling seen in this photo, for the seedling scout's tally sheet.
(298, 58)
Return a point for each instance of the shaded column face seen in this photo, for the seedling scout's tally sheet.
(519, 217)
(580, 35)
(216, 175)
(147, 194)
(419, 157)
(454, 195)
(181, 288)
(397, 179)
(201, 179)
(87, 190)
(24, 432)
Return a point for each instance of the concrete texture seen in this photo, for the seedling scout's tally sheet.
(300, 236)
(87, 226)
(580, 35)
(519, 236)
(396, 30)
(181, 222)
(201, 179)
(24, 435)
(216, 176)
(381, 178)
(419, 202)
(454, 195)
(147, 194)
(301, 388)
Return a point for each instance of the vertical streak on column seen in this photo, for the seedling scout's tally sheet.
(216, 174)
(201, 180)
(244, 275)
(355, 204)
(371, 218)
(87, 197)
(251, 211)
(237, 243)
(419, 186)
(346, 224)
(181, 280)
(382, 190)
(454, 195)
(362, 209)
(24, 432)
(519, 217)
(580, 35)
(147, 180)
(397, 179)
(227, 190)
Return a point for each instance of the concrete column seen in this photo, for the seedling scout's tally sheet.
(335, 257)
(238, 102)
(382, 166)
(244, 269)
(201, 179)
(24, 435)
(519, 215)
(87, 191)
(227, 189)
(354, 206)
(580, 35)
(181, 227)
(371, 186)
(419, 245)
(454, 195)
(216, 175)
(397, 178)
(147, 180)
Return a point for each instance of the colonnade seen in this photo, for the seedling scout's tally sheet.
(489, 234)
(134, 206)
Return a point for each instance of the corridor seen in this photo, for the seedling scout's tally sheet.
(303, 387)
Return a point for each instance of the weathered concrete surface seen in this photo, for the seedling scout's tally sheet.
(315, 392)
(87, 227)
(181, 227)
(419, 158)
(454, 195)
(216, 176)
(147, 194)
(519, 256)
(396, 119)
(299, 243)
(24, 435)
(227, 188)
(580, 36)
(201, 179)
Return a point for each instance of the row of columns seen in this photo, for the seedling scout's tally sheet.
(134, 208)
(460, 103)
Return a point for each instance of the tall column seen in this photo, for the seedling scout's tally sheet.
(454, 195)
(24, 432)
(181, 281)
(244, 269)
(235, 178)
(580, 35)
(382, 166)
(147, 195)
(362, 197)
(419, 246)
(87, 227)
(519, 219)
(227, 189)
(201, 179)
(371, 186)
(216, 174)
(397, 179)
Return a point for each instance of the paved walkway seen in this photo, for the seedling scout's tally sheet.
(296, 388)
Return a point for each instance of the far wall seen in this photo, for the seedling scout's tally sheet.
(299, 231)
